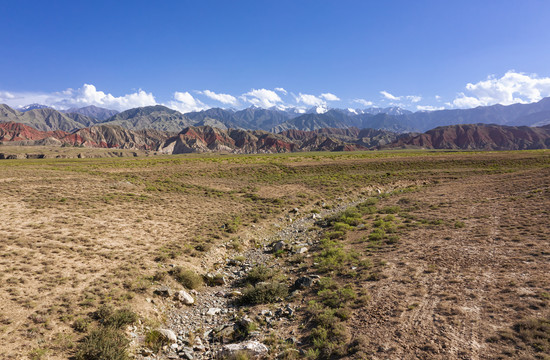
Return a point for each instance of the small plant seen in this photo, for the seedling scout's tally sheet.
(103, 343)
(155, 341)
(258, 274)
(81, 324)
(117, 319)
(459, 224)
(187, 278)
(264, 293)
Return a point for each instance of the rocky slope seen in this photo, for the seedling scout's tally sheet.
(94, 112)
(479, 137)
(156, 117)
(45, 119)
(102, 136)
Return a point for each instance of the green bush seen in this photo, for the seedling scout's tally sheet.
(264, 293)
(117, 319)
(258, 274)
(155, 341)
(187, 278)
(81, 324)
(104, 343)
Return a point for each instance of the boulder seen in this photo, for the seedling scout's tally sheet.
(254, 349)
(168, 335)
(303, 282)
(164, 291)
(184, 297)
(213, 311)
(278, 246)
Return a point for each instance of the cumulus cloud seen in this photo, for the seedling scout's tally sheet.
(330, 97)
(363, 102)
(262, 98)
(428, 108)
(513, 87)
(309, 100)
(223, 98)
(84, 96)
(185, 102)
(414, 98)
(389, 96)
(281, 90)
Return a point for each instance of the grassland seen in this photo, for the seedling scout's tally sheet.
(79, 234)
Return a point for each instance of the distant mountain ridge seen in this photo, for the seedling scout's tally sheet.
(200, 139)
(393, 119)
(478, 137)
(94, 112)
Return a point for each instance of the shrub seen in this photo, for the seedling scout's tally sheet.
(187, 278)
(103, 343)
(258, 274)
(107, 316)
(81, 324)
(390, 210)
(155, 341)
(264, 293)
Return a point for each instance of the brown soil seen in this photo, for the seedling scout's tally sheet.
(452, 292)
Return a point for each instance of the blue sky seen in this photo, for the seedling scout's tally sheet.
(198, 54)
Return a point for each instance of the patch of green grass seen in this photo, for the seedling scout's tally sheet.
(187, 278)
(103, 343)
(264, 293)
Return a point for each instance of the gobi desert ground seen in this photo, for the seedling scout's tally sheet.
(378, 255)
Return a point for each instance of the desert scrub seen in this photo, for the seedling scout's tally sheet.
(103, 343)
(107, 316)
(155, 341)
(263, 293)
(259, 273)
(536, 333)
(187, 278)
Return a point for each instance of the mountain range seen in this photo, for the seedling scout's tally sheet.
(200, 139)
(393, 119)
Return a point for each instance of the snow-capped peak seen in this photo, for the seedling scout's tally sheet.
(33, 107)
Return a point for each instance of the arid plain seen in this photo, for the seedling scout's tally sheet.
(449, 250)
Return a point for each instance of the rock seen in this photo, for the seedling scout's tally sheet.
(186, 353)
(254, 349)
(215, 279)
(164, 291)
(303, 282)
(168, 335)
(198, 345)
(213, 311)
(184, 297)
(233, 294)
(278, 246)
(302, 250)
(294, 211)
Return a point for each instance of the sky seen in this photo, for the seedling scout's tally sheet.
(193, 55)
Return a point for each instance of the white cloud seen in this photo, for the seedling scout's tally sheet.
(511, 88)
(84, 96)
(428, 108)
(437, 97)
(262, 98)
(363, 102)
(309, 100)
(330, 97)
(389, 96)
(414, 98)
(185, 102)
(223, 98)
(281, 90)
